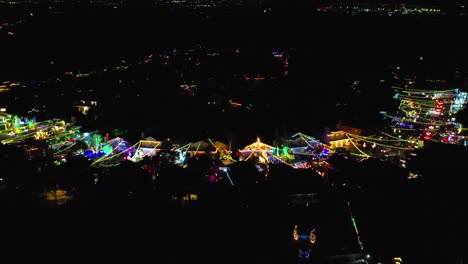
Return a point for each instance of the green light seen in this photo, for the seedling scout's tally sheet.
(107, 150)
(97, 139)
(15, 121)
(31, 123)
(285, 151)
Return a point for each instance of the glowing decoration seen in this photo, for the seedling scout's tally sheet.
(285, 151)
(31, 124)
(295, 234)
(182, 156)
(312, 237)
(355, 227)
(41, 135)
(15, 122)
(425, 110)
(263, 151)
(304, 254)
(97, 139)
(262, 159)
(107, 150)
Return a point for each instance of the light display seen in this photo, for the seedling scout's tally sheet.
(97, 139)
(226, 171)
(422, 115)
(107, 150)
(146, 148)
(355, 227)
(313, 147)
(261, 150)
(31, 124)
(311, 237)
(304, 254)
(295, 234)
(15, 122)
(121, 150)
(285, 151)
(429, 113)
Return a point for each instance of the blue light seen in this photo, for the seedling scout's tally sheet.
(88, 153)
(91, 154)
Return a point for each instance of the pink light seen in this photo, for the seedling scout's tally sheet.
(259, 78)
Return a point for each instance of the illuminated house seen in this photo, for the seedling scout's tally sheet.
(5, 121)
(223, 152)
(201, 147)
(258, 149)
(148, 147)
(304, 150)
(84, 106)
(338, 139)
(304, 144)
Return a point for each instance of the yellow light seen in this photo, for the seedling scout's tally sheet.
(295, 234)
(312, 237)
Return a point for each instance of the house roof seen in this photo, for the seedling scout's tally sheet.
(258, 145)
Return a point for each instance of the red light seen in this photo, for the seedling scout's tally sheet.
(212, 178)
